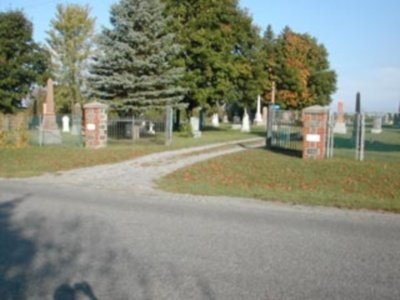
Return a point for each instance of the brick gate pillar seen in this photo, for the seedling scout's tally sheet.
(315, 130)
(95, 125)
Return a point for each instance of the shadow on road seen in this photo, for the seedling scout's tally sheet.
(74, 292)
(49, 254)
(16, 254)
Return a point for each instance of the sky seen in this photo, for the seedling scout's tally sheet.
(362, 38)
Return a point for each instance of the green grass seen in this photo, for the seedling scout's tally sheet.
(37, 160)
(265, 175)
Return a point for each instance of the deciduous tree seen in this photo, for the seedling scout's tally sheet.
(220, 51)
(299, 65)
(22, 61)
(70, 41)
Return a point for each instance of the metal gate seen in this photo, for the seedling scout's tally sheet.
(285, 131)
(156, 128)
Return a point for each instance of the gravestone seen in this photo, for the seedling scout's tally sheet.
(236, 125)
(76, 120)
(195, 124)
(245, 122)
(340, 123)
(215, 120)
(50, 133)
(386, 119)
(377, 128)
(65, 124)
(258, 119)
(265, 115)
(151, 129)
(225, 119)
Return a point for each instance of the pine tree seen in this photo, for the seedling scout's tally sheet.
(135, 70)
(71, 43)
(22, 61)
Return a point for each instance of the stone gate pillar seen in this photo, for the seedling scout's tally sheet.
(95, 125)
(315, 130)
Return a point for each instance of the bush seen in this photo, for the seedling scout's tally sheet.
(15, 134)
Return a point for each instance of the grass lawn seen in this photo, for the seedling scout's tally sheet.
(266, 175)
(37, 160)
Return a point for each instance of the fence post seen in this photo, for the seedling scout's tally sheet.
(135, 130)
(270, 122)
(168, 125)
(330, 137)
(360, 136)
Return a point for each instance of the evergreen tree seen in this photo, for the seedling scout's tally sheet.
(22, 61)
(135, 70)
(71, 44)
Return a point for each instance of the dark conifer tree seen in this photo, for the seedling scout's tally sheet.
(134, 69)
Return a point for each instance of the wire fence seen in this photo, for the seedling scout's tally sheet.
(130, 130)
(21, 130)
(366, 136)
(379, 138)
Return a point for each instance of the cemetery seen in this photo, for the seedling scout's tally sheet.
(203, 149)
(347, 162)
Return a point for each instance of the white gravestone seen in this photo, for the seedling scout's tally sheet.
(215, 120)
(195, 124)
(151, 128)
(377, 129)
(245, 122)
(65, 124)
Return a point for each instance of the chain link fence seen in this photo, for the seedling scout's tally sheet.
(21, 130)
(378, 137)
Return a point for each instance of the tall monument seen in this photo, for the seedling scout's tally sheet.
(340, 124)
(50, 132)
(258, 119)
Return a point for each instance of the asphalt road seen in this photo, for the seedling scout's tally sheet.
(60, 242)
